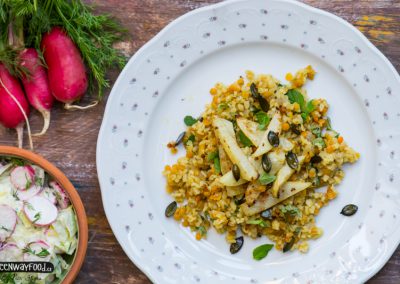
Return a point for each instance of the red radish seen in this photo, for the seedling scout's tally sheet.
(66, 70)
(39, 175)
(36, 85)
(8, 221)
(28, 193)
(22, 177)
(14, 108)
(37, 251)
(62, 197)
(10, 252)
(40, 211)
(49, 194)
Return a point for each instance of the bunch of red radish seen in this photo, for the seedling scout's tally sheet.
(64, 79)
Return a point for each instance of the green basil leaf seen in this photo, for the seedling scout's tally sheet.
(244, 140)
(290, 210)
(263, 119)
(217, 165)
(265, 178)
(309, 107)
(296, 97)
(189, 120)
(262, 251)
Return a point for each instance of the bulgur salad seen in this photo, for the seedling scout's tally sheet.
(37, 222)
(254, 159)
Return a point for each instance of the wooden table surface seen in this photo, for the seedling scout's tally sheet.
(71, 141)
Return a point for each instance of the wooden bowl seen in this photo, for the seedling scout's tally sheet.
(76, 201)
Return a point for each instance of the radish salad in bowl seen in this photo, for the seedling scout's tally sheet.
(37, 221)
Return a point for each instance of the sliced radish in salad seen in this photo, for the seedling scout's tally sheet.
(49, 194)
(30, 192)
(40, 211)
(39, 175)
(10, 252)
(37, 251)
(62, 197)
(22, 177)
(8, 221)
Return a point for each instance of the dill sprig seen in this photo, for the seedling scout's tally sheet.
(94, 35)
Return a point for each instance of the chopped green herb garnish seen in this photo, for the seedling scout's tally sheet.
(263, 119)
(319, 142)
(36, 217)
(15, 194)
(43, 253)
(329, 127)
(211, 156)
(217, 165)
(5, 229)
(265, 178)
(202, 230)
(244, 140)
(29, 206)
(257, 222)
(296, 97)
(316, 130)
(290, 210)
(262, 251)
(28, 182)
(189, 120)
(222, 106)
(38, 180)
(191, 138)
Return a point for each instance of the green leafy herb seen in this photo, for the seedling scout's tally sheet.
(5, 229)
(217, 165)
(15, 194)
(7, 277)
(257, 222)
(38, 180)
(222, 106)
(319, 142)
(189, 120)
(211, 156)
(94, 35)
(265, 178)
(244, 140)
(28, 182)
(43, 253)
(263, 119)
(316, 130)
(36, 217)
(290, 210)
(329, 127)
(29, 206)
(296, 97)
(191, 138)
(262, 251)
(202, 230)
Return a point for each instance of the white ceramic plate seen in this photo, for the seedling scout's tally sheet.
(170, 77)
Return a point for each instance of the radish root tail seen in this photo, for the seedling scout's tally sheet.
(20, 135)
(46, 123)
(73, 107)
(20, 128)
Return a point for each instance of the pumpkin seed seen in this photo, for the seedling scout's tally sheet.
(254, 91)
(171, 208)
(237, 245)
(288, 246)
(264, 104)
(295, 129)
(292, 161)
(267, 214)
(349, 210)
(180, 138)
(273, 139)
(236, 172)
(266, 163)
(316, 159)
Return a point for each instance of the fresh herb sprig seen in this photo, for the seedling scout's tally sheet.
(94, 35)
